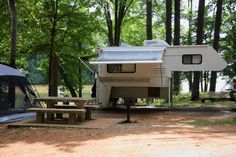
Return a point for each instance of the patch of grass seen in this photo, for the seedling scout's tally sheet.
(202, 122)
(184, 99)
(43, 90)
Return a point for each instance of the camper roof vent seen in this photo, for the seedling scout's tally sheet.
(155, 43)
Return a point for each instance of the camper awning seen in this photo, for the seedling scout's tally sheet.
(121, 55)
(9, 71)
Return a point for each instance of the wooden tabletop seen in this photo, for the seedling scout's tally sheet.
(64, 99)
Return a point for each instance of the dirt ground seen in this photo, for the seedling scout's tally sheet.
(153, 134)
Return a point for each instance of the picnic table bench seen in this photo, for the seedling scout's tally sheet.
(74, 114)
(89, 108)
(88, 113)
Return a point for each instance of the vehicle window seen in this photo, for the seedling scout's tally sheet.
(192, 59)
(121, 68)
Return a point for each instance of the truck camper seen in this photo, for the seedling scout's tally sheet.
(145, 71)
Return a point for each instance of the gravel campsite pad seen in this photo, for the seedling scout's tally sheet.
(152, 134)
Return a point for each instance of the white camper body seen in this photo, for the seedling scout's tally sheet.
(145, 72)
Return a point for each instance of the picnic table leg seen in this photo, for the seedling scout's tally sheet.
(88, 114)
(59, 115)
(72, 118)
(80, 117)
(50, 116)
(40, 117)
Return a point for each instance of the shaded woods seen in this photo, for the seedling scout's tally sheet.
(47, 37)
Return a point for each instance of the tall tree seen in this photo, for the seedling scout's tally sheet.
(149, 19)
(168, 21)
(120, 8)
(190, 19)
(229, 44)
(216, 41)
(12, 8)
(200, 33)
(177, 42)
(53, 58)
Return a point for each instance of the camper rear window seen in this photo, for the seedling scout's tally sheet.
(192, 59)
(121, 68)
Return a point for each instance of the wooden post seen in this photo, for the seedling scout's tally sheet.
(72, 118)
(50, 116)
(88, 113)
(39, 117)
(128, 102)
(128, 113)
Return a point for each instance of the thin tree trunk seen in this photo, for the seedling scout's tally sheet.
(119, 15)
(110, 29)
(200, 22)
(190, 6)
(149, 19)
(53, 59)
(176, 42)
(12, 9)
(216, 42)
(168, 21)
(120, 9)
(80, 81)
(117, 33)
(201, 81)
(190, 81)
(206, 80)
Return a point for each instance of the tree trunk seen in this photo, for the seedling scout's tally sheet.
(53, 59)
(190, 18)
(176, 42)
(190, 13)
(120, 9)
(206, 74)
(119, 15)
(149, 19)
(200, 22)
(195, 90)
(216, 41)
(109, 27)
(12, 9)
(80, 81)
(117, 33)
(168, 21)
(201, 81)
(190, 81)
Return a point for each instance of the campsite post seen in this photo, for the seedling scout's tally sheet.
(128, 101)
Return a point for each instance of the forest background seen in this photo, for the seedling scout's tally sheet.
(47, 38)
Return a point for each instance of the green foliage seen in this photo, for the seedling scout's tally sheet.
(4, 32)
(81, 26)
(228, 41)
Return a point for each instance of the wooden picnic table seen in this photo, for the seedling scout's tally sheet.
(64, 103)
(52, 101)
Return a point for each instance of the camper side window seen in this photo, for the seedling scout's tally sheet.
(121, 68)
(192, 59)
